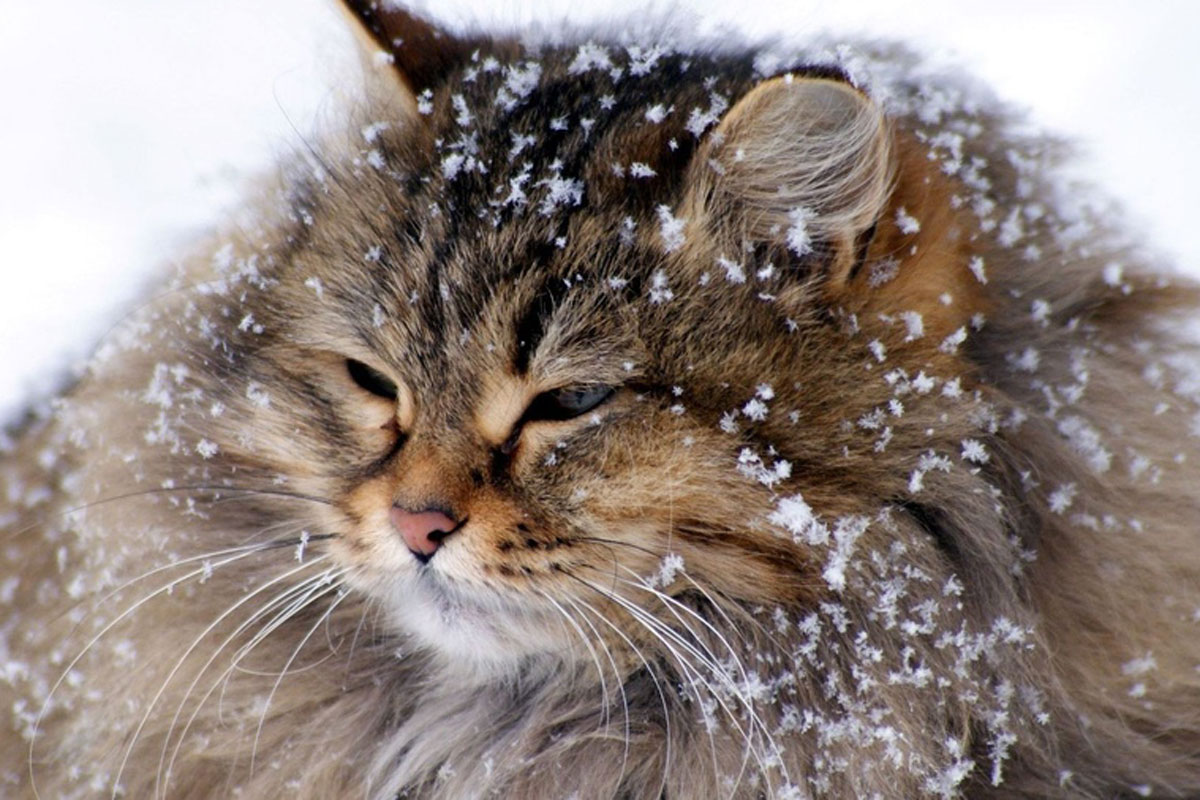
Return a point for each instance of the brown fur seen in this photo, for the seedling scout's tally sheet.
(894, 495)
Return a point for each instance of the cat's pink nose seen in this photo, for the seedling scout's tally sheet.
(422, 531)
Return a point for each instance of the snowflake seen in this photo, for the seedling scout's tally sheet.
(590, 56)
(1026, 361)
(371, 132)
(643, 59)
(560, 192)
(794, 514)
(452, 165)
(799, 240)
(755, 409)
(1040, 311)
(668, 568)
(425, 102)
(907, 223)
(671, 229)
(462, 114)
(883, 272)
(257, 395)
(751, 465)
(923, 384)
(657, 113)
(976, 267)
(1140, 665)
(974, 451)
(733, 270)
(1113, 274)
(1062, 498)
(659, 292)
(914, 323)
(950, 343)
(519, 83)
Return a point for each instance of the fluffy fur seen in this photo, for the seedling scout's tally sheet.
(893, 497)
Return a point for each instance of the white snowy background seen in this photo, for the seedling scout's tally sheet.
(126, 126)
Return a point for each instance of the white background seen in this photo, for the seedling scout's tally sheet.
(127, 125)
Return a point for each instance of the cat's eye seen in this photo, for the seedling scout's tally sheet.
(567, 402)
(372, 380)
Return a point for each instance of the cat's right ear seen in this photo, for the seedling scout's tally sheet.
(801, 162)
(402, 53)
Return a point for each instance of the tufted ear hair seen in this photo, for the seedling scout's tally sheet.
(798, 162)
(402, 53)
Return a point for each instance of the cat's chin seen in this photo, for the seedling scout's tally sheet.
(473, 629)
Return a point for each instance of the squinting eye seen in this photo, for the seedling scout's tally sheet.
(372, 379)
(566, 403)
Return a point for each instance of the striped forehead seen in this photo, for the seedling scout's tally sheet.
(506, 316)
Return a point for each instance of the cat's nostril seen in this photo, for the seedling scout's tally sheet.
(422, 531)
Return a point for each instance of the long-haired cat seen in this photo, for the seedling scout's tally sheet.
(608, 421)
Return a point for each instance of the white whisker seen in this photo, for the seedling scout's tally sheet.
(167, 588)
(671, 640)
(341, 595)
(291, 606)
(179, 663)
(720, 609)
(666, 635)
(605, 699)
(672, 604)
(362, 620)
(650, 671)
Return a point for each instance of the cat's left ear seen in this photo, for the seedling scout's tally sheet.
(800, 162)
(403, 54)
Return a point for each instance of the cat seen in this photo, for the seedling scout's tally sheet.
(624, 421)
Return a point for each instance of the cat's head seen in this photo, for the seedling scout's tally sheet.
(557, 334)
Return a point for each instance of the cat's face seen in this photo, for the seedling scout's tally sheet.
(503, 443)
(551, 360)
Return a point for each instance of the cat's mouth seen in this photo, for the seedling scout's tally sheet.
(478, 607)
(473, 625)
